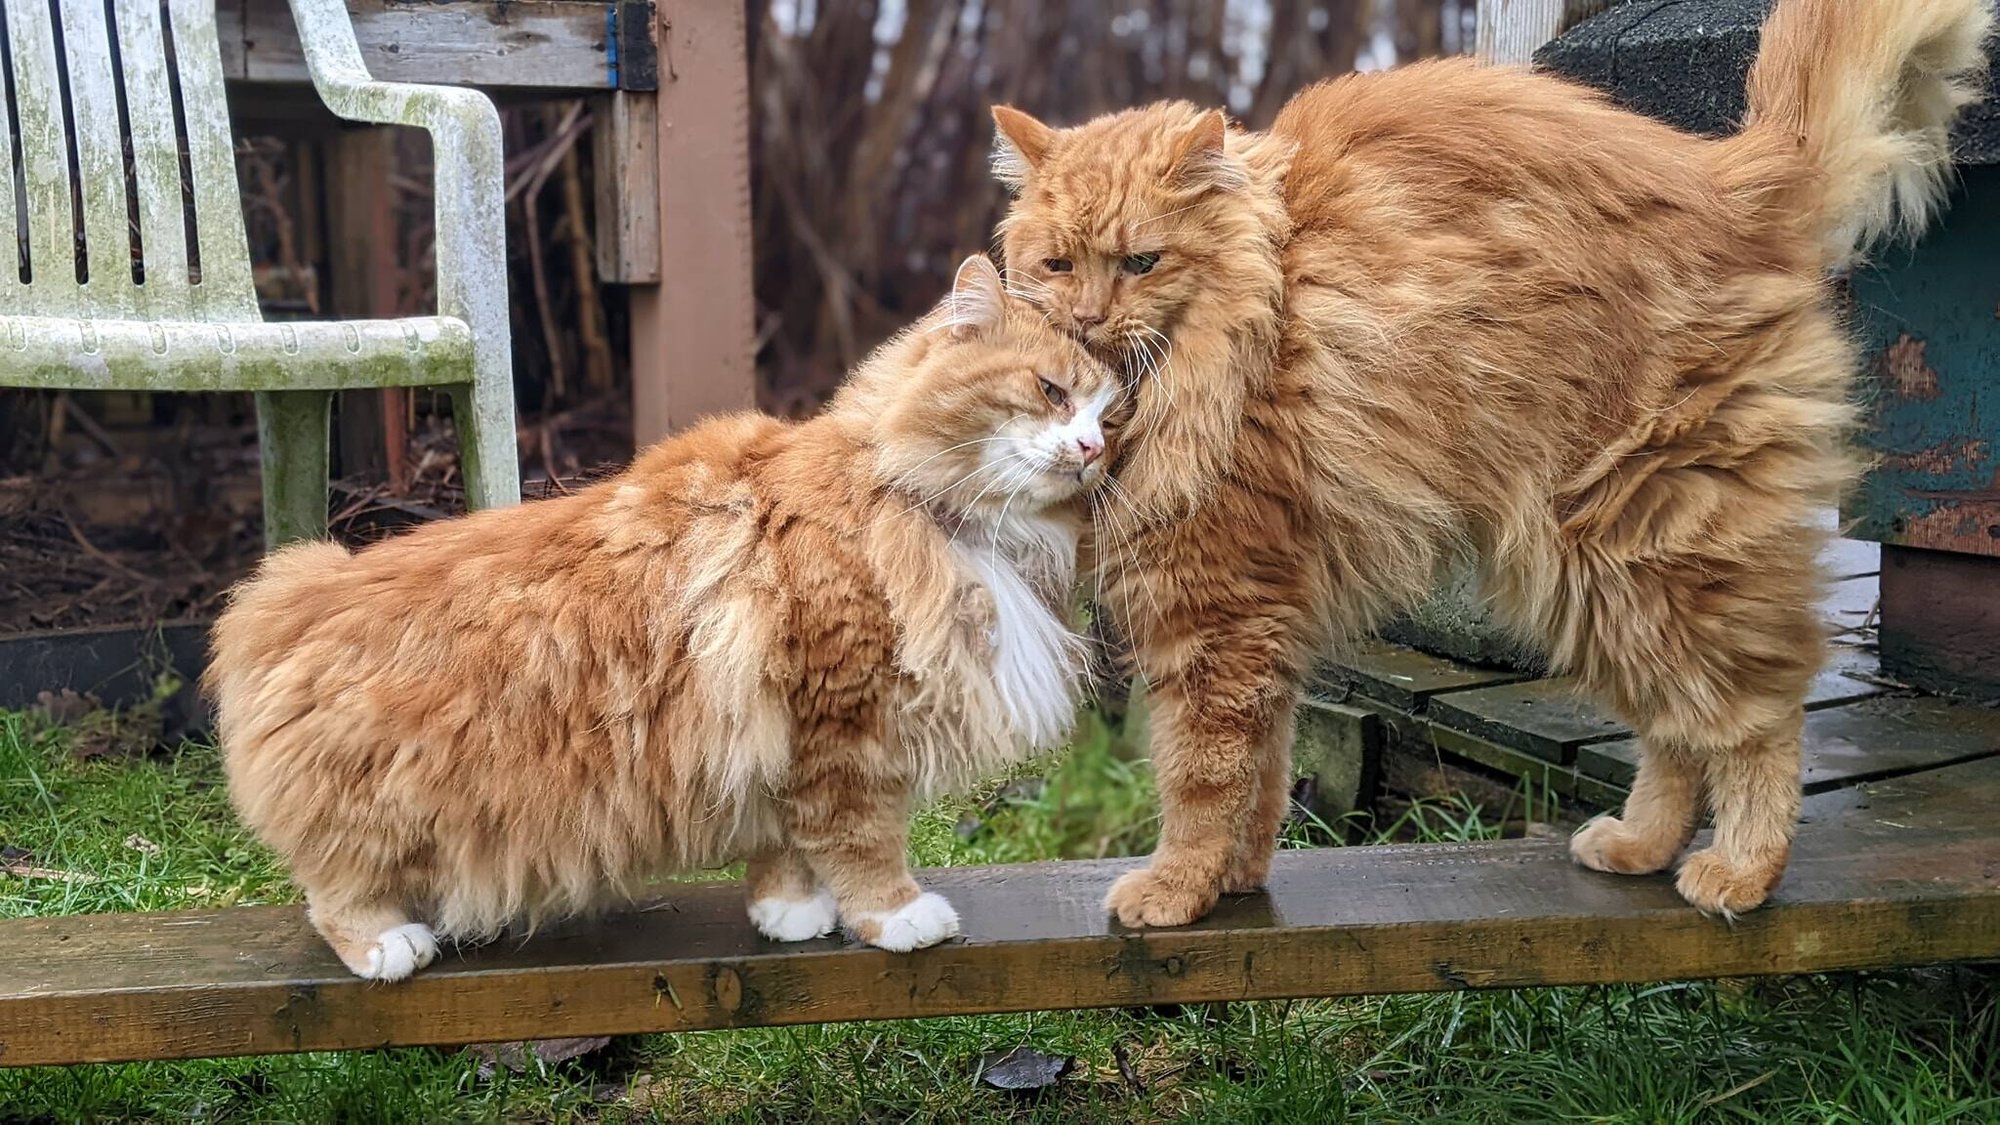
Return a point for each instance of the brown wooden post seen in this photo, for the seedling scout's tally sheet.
(1511, 31)
(694, 333)
(361, 257)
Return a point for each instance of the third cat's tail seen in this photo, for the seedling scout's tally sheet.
(1866, 90)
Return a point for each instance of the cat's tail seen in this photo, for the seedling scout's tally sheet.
(1865, 92)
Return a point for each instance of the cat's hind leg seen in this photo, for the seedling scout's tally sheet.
(786, 901)
(376, 939)
(1708, 655)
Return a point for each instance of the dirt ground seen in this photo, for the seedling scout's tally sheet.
(111, 517)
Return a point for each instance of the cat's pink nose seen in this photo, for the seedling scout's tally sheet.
(1091, 447)
(1086, 318)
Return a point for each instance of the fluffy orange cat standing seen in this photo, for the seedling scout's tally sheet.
(1455, 310)
(763, 640)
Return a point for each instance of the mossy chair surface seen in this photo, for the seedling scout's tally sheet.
(133, 268)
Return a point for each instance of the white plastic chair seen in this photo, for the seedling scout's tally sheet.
(144, 283)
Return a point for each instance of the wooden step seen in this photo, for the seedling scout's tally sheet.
(1895, 873)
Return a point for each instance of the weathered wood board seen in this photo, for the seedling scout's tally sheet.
(1404, 677)
(1548, 719)
(1912, 877)
(532, 44)
(1869, 739)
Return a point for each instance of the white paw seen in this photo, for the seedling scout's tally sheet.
(926, 920)
(785, 919)
(399, 952)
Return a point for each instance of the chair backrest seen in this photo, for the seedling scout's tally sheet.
(121, 173)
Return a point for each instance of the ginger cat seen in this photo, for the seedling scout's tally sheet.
(1452, 309)
(763, 640)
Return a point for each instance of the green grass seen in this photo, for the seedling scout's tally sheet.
(1904, 1047)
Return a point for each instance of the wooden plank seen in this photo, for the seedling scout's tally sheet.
(533, 44)
(363, 278)
(1954, 799)
(1845, 745)
(1614, 763)
(1336, 921)
(1852, 673)
(1510, 31)
(1545, 718)
(1940, 626)
(1403, 677)
(1542, 775)
(1850, 603)
(623, 144)
(1879, 737)
(119, 664)
(1851, 558)
(694, 350)
(1340, 748)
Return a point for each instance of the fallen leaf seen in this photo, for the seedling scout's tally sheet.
(1125, 1068)
(1023, 1068)
(65, 706)
(133, 732)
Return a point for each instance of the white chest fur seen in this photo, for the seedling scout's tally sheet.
(1036, 658)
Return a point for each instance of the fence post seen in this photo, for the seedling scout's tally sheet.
(1510, 31)
(694, 333)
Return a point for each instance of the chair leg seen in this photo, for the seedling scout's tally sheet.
(292, 435)
(486, 450)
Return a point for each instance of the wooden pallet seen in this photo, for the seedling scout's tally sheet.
(1860, 726)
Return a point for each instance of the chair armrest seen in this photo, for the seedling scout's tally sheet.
(470, 193)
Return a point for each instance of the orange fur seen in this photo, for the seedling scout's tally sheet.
(762, 640)
(1456, 310)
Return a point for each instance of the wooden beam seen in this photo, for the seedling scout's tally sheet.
(1404, 677)
(694, 334)
(537, 44)
(362, 277)
(624, 145)
(1940, 627)
(1898, 873)
(1509, 32)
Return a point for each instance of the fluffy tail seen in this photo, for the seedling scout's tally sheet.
(1866, 90)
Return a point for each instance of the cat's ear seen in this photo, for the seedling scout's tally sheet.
(1201, 159)
(977, 303)
(1020, 144)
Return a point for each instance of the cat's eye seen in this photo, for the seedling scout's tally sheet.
(1056, 395)
(1056, 265)
(1136, 264)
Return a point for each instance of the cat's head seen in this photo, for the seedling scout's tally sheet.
(1122, 225)
(982, 407)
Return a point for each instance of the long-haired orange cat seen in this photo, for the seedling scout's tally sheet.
(1454, 309)
(763, 640)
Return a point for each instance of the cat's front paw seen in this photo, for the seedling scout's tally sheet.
(923, 921)
(783, 919)
(400, 952)
(1143, 898)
